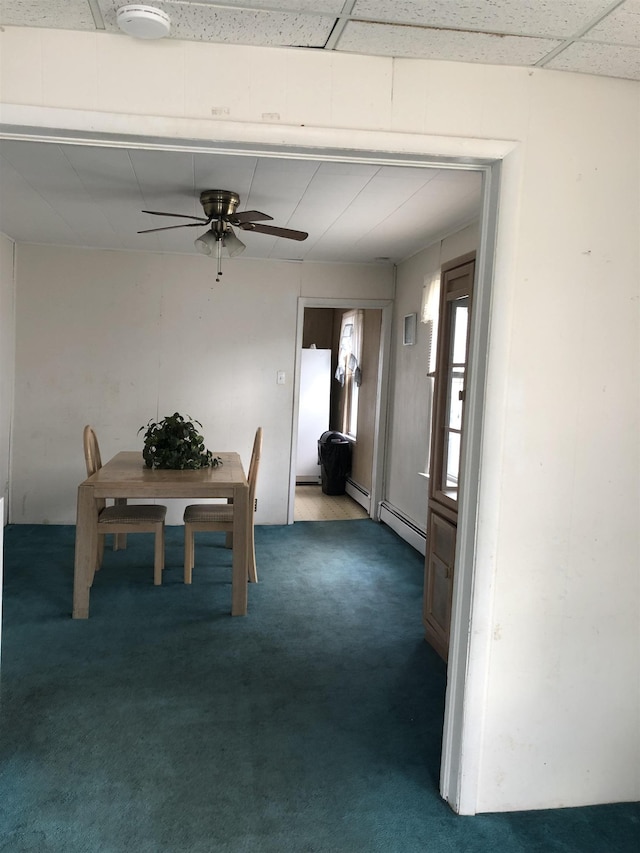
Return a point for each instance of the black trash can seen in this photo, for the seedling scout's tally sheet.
(334, 456)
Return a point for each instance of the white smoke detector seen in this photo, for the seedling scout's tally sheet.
(143, 22)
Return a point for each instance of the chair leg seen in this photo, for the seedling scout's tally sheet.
(228, 540)
(189, 548)
(252, 571)
(158, 562)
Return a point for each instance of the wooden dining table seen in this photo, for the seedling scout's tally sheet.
(126, 476)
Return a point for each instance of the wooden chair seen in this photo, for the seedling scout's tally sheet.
(123, 518)
(93, 462)
(202, 517)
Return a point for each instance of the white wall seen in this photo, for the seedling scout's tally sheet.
(563, 413)
(7, 362)
(552, 718)
(117, 338)
(411, 392)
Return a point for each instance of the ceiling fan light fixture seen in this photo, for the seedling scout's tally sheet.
(143, 22)
(232, 244)
(205, 244)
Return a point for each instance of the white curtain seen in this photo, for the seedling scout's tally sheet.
(349, 369)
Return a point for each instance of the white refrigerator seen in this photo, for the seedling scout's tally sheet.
(313, 411)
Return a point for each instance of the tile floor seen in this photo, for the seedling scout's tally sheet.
(313, 505)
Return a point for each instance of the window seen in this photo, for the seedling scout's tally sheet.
(456, 365)
(451, 372)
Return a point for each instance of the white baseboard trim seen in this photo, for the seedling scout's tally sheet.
(359, 494)
(403, 526)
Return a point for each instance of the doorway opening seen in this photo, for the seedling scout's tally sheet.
(466, 685)
(339, 363)
(320, 322)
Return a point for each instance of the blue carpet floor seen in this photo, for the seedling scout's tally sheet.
(313, 725)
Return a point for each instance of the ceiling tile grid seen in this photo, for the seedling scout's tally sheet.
(56, 14)
(599, 59)
(546, 33)
(235, 23)
(550, 18)
(621, 26)
(448, 45)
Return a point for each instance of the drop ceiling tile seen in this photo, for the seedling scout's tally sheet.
(57, 14)
(325, 6)
(389, 40)
(600, 59)
(622, 26)
(542, 18)
(272, 29)
(231, 25)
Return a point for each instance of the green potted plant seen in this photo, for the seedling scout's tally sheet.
(175, 442)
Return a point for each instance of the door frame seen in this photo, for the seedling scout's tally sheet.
(472, 593)
(468, 664)
(382, 392)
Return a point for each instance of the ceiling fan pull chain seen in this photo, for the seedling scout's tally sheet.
(219, 257)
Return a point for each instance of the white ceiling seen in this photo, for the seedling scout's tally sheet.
(83, 195)
(92, 196)
(592, 36)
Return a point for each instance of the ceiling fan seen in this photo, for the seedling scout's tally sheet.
(220, 208)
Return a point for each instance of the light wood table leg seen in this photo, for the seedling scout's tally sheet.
(86, 549)
(119, 539)
(240, 551)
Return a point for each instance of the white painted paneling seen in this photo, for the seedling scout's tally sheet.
(93, 196)
(62, 56)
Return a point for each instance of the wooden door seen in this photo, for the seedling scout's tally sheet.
(445, 470)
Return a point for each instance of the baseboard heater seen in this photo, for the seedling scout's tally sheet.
(403, 526)
(359, 494)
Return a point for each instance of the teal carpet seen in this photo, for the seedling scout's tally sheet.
(313, 725)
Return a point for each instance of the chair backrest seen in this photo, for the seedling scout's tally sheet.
(252, 479)
(91, 451)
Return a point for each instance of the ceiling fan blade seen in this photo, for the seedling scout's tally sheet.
(289, 233)
(181, 215)
(171, 227)
(248, 216)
